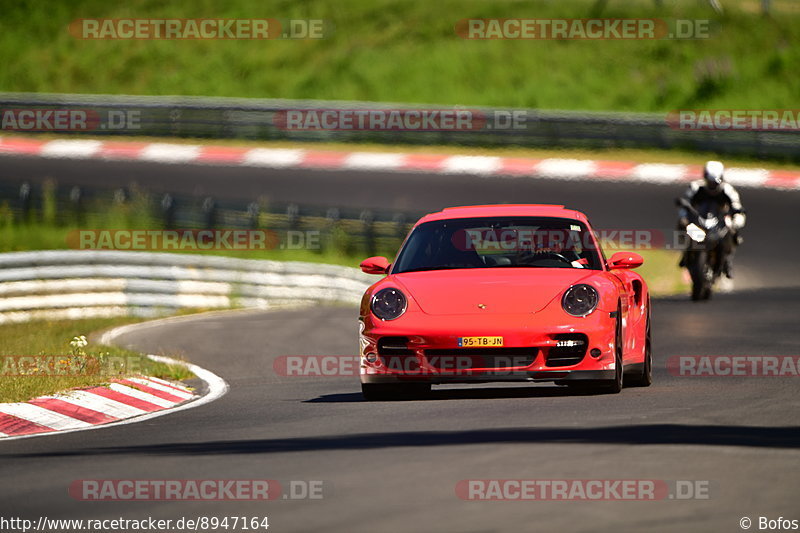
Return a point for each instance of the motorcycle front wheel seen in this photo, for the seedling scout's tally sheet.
(701, 273)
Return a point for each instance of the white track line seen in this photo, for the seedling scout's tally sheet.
(472, 164)
(374, 161)
(747, 177)
(566, 168)
(660, 172)
(170, 153)
(273, 157)
(73, 149)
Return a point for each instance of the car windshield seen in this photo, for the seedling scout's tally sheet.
(499, 242)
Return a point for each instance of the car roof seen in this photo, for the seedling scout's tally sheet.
(490, 210)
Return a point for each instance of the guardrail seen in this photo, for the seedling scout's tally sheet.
(243, 118)
(352, 231)
(71, 284)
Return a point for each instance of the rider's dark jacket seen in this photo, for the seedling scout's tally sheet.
(727, 200)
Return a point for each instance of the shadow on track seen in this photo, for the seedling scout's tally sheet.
(467, 394)
(675, 434)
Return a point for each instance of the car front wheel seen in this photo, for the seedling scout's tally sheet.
(614, 386)
(645, 379)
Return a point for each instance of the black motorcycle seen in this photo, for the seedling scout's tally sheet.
(709, 243)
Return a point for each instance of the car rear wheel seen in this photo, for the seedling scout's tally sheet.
(377, 392)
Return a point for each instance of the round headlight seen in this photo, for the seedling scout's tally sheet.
(388, 304)
(580, 300)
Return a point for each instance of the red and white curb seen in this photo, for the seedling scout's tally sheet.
(123, 401)
(521, 167)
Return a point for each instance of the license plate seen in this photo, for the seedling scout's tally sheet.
(479, 342)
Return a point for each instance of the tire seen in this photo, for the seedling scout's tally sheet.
(605, 386)
(706, 294)
(645, 379)
(701, 289)
(378, 392)
(614, 386)
(709, 282)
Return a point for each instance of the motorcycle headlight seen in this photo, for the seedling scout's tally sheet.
(696, 233)
(388, 304)
(580, 300)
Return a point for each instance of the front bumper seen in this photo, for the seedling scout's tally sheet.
(424, 349)
(491, 377)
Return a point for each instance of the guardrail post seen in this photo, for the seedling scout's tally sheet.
(76, 201)
(168, 208)
(49, 202)
(332, 217)
(368, 220)
(210, 213)
(292, 216)
(26, 201)
(399, 229)
(120, 196)
(253, 211)
(400, 226)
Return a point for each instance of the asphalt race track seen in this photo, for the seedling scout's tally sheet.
(394, 466)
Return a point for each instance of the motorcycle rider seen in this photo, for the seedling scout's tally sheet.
(714, 188)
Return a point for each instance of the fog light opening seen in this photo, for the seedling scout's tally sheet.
(595, 353)
(569, 343)
(371, 357)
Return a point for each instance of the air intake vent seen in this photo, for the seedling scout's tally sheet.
(569, 350)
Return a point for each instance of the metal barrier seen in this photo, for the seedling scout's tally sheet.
(259, 119)
(73, 284)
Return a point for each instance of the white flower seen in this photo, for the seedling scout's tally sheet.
(79, 342)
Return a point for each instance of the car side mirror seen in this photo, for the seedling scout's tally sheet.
(375, 265)
(624, 260)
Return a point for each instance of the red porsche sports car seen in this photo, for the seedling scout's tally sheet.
(504, 293)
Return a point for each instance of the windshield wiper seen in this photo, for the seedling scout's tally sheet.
(519, 266)
(422, 269)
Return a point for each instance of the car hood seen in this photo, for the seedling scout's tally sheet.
(499, 290)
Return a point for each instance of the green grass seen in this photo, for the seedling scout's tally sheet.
(407, 51)
(90, 366)
(660, 271)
